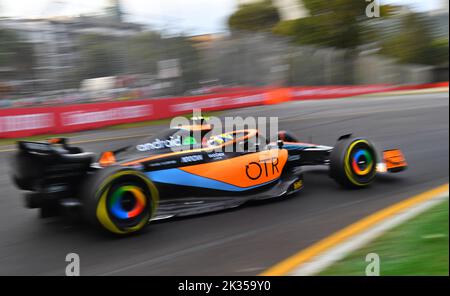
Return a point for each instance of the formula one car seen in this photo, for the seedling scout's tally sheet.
(122, 190)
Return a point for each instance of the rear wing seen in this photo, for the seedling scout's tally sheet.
(38, 165)
(47, 147)
(38, 147)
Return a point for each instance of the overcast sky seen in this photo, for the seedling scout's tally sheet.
(190, 16)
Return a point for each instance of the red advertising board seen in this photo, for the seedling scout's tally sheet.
(23, 122)
(91, 116)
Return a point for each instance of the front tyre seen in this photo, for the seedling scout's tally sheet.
(121, 201)
(353, 163)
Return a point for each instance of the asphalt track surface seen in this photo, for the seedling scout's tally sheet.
(250, 239)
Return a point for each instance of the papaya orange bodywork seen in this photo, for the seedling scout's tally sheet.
(244, 171)
(107, 158)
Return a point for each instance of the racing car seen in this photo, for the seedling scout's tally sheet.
(121, 191)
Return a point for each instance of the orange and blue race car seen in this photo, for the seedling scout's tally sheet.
(176, 174)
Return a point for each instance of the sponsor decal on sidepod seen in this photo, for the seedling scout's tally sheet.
(160, 144)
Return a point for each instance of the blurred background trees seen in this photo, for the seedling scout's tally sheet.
(258, 16)
(330, 23)
(343, 24)
(415, 43)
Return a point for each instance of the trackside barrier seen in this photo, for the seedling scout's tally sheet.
(24, 122)
(278, 96)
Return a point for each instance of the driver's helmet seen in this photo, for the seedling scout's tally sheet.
(219, 139)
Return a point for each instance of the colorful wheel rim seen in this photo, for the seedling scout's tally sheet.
(103, 211)
(127, 202)
(362, 162)
(360, 174)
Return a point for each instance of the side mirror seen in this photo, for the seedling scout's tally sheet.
(280, 144)
(257, 147)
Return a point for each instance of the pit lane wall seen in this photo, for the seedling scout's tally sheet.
(24, 122)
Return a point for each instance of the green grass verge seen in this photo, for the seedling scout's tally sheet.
(416, 247)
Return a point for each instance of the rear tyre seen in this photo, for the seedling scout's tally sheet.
(120, 201)
(353, 163)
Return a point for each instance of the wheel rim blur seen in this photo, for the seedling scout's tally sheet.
(127, 202)
(362, 162)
